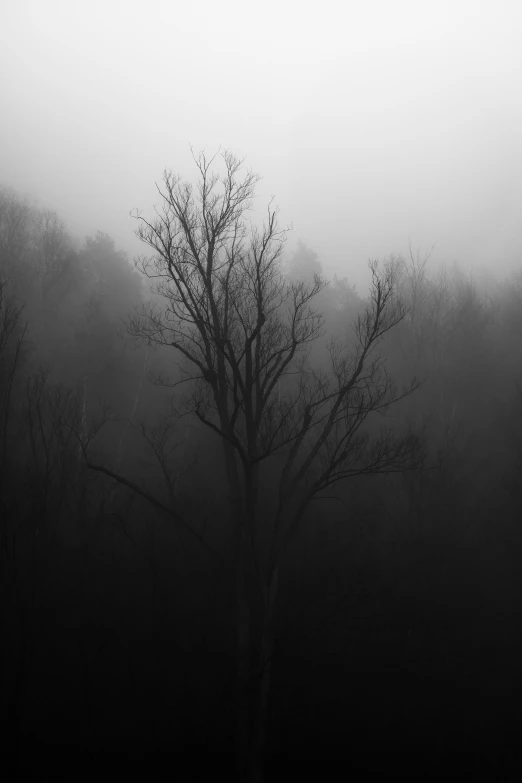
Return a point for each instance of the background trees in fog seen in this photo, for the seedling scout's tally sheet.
(134, 590)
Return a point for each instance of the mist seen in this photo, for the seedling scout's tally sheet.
(374, 125)
(260, 388)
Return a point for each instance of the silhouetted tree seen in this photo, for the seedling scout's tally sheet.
(243, 332)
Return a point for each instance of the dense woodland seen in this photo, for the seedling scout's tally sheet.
(169, 585)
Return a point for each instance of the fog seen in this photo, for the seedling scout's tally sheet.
(247, 517)
(374, 125)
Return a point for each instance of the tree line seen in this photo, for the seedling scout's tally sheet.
(252, 486)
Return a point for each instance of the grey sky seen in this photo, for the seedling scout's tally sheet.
(372, 123)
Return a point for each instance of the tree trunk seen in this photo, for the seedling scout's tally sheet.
(242, 726)
(243, 617)
(261, 704)
(255, 639)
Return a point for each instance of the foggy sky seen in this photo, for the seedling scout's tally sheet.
(374, 124)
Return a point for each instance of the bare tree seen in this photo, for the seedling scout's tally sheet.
(243, 334)
(51, 256)
(15, 229)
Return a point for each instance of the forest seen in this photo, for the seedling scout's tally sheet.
(251, 517)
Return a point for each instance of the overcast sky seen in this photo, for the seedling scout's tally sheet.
(373, 123)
